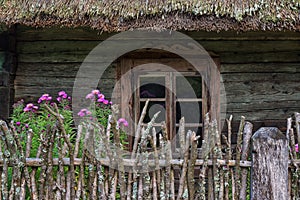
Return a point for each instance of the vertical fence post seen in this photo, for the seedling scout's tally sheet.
(270, 165)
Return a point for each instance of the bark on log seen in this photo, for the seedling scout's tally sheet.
(270, 165)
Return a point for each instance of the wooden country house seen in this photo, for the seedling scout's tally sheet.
(255, 45)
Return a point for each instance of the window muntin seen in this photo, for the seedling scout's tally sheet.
(174, 95)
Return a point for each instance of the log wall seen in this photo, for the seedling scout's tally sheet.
(260, 71)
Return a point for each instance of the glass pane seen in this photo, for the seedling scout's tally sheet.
(191, 111)
(154, 107)
(188, 87)
(152, 87)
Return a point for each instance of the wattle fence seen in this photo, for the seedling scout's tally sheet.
(94, 165)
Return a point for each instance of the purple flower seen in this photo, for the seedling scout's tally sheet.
(90, 96)
(18, 123)
(297, 148)
(26, 125)
(83, 112)
(101, 96)
(58, 99)
(45, 97)
(123, 121)
(30, 107)
(100, 100)
(105, 101)
(63, 94)
(95, 92)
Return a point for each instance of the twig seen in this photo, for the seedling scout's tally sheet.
(121, 169)
(205, 146)
(245, 152)
(228, 157)
(184, 167)
(27, 154)
(238, 157)
(191, 164)
(181, 132)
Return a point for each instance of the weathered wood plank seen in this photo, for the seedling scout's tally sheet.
(30, 34)
(246, 97)
(249, 35)
(53, 57)
(25, 33)
(228, 57)
(261, 68)
(264, 87)
(265, 57)
(57, 70)
(262, 105)
(56, 46)
(216, 46)
(261, 77)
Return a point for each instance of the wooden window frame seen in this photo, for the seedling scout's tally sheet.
(210, 89)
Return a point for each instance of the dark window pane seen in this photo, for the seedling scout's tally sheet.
(188, 87)
(191, 111)
(154, 107)
(152, 87)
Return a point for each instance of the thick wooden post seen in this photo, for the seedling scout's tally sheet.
(270, 165)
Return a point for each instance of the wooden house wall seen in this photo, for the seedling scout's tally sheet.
(260, 71)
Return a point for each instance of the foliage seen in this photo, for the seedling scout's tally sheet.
(38, 119)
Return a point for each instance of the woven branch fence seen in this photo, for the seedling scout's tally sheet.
(95, 166)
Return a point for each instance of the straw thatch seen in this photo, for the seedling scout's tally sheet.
(118, 15)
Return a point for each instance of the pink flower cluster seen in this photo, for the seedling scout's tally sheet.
(30, 107)
(96, 95)
(45, 97)
(84, 112)
(122, 121)
(62, 95)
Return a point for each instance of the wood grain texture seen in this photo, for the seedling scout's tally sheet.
(270, 165)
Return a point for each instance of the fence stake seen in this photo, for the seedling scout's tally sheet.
(270, 165)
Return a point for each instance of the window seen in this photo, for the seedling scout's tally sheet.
(172, 86)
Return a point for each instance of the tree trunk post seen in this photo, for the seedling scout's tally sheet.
(270, 165)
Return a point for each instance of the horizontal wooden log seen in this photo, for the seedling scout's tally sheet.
(25, 33)
(32, 34)
(265, 87)
(260, 68)
(263, 57)
(58, 70)
(215, 46)
(247, 96)
(228, 57)
(262, 105)
(56, 81)
(261, 77)
(37, 162)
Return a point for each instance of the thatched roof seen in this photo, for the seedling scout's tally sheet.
(118, 15)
